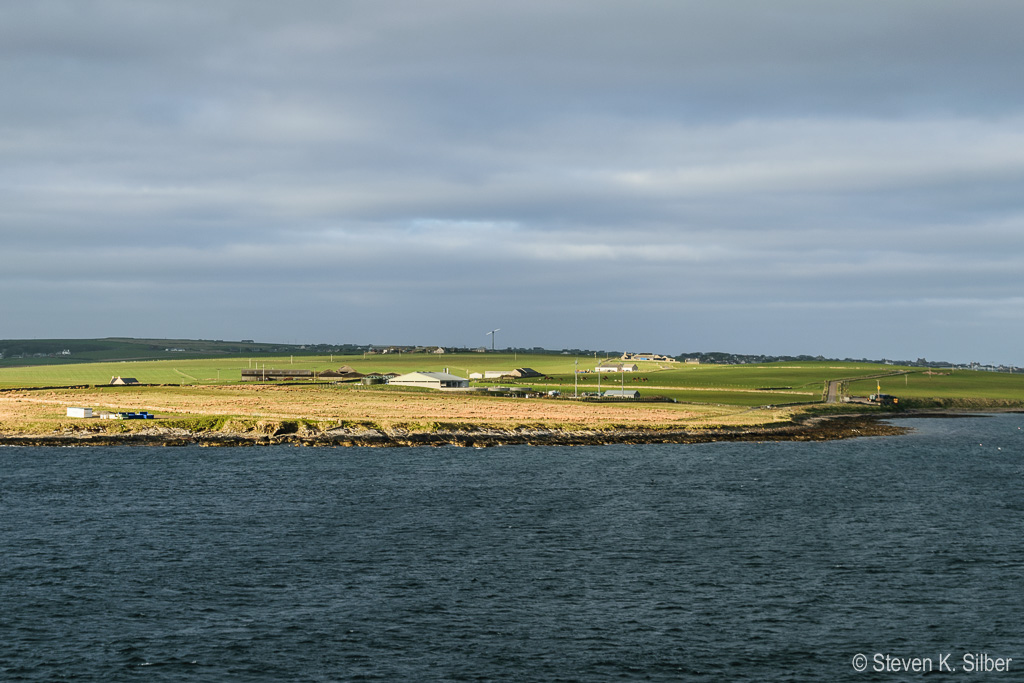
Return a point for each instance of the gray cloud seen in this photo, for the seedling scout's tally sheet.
(842, 179)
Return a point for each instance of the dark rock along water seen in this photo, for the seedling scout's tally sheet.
(724, 561)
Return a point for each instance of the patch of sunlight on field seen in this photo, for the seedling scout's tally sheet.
(705, 392)
(386, 408)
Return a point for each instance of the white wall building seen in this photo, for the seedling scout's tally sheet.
(430, 380)
(622, 393)
(617, 367)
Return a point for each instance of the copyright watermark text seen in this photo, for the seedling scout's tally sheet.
(948, 662)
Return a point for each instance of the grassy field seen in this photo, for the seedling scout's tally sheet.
(246, 406)
(739, 384)
(960, 388)
(20, 352)
(191, 389)
(559, 369)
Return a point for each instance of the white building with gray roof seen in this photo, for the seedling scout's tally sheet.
(430, 380)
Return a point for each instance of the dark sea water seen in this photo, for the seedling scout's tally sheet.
(713, 562)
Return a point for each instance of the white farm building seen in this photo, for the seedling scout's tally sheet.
(430, 380)
(622, 393)
(617, 367)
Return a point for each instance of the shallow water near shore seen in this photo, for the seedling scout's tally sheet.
(719, 561)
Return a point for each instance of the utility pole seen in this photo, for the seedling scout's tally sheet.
(576, 380)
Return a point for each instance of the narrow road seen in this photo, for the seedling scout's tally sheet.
(832, 396)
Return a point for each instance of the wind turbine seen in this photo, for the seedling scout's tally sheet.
(491, 333)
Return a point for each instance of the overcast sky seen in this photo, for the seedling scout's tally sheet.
(776, 176)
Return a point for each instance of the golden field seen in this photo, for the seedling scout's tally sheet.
(42, 411)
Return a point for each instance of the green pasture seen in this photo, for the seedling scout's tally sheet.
(959, 384)
(743, 385)
(804, 376)
(731, 398)
(23, 352)
(558, 368)
(228, 369)
(796, 377)
(183, 371)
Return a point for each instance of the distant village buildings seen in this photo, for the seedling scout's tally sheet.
(657, 357)
(407, 349)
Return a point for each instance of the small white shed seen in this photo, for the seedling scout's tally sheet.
(79, 412)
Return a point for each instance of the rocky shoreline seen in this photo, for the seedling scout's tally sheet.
(808, 429)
